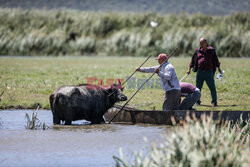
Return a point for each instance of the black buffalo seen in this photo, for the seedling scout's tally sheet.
(70, 103)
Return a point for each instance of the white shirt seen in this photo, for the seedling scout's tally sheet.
(168, 77)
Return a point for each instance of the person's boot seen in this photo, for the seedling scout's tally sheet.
(193, 109)
(214, 104)
(198, 103)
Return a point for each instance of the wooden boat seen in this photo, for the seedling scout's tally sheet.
(132, 115)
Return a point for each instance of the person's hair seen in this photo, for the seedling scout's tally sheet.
(203, 39)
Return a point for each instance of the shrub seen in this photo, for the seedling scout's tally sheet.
(69, 32)
(197, 144)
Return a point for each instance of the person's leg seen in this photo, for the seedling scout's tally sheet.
(190, 100)
(211, 85)
(177, 98)
(167, 105)
(195, 97)
(199, 81)
(172, 100)
(166, 102)
(185, 103)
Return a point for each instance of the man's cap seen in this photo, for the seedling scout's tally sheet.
(161, 56)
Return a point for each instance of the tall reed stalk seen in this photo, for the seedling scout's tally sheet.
(33, 123)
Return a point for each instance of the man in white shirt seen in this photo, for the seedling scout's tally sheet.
(169, 81)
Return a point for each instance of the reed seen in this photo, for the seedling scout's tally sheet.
(197, 143)
(33, 123)
(69, 32)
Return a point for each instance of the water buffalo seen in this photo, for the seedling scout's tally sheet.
(70, 103)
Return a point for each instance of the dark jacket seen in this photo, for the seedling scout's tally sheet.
(200, 54)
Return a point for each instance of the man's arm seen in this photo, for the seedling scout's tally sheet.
(147, 69)
(217, 63)
(191, 64)
(188, 71)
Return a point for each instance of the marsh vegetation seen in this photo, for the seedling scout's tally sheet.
(196, 143)
(69, 32)
(33, 122)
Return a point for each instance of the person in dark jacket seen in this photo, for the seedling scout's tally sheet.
(191, 94)
(205, 62)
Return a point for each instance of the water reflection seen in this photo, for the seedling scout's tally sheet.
(87, 128)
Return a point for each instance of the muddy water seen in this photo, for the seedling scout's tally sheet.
(76, 145)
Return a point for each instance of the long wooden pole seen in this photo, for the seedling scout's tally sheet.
(135, 70)
(183, 77)
(131, 75)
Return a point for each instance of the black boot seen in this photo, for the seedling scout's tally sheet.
(198, 102)
(214, 104)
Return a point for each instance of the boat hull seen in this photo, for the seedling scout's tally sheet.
(130, 115)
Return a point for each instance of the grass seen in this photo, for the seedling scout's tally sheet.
(197, 143)
(28, 82)
(33, 123)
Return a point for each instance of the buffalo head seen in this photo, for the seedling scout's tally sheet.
(115, 92)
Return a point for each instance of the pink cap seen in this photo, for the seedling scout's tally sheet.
(161, 56)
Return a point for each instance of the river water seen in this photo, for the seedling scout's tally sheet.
(76, 145)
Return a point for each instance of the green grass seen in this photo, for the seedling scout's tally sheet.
(27, 81)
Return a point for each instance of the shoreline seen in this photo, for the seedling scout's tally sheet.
(21, 107)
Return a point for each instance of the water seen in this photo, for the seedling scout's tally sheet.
(76, 145)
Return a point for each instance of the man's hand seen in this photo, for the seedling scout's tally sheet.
(188, 71)
(157, 70)
(220, 70)
(137, 69)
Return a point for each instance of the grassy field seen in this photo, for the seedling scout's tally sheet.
(28, 81)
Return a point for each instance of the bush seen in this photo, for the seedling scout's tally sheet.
(69, 32)
(197, 144)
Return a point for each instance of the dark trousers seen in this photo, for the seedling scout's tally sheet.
(190, 100)
(172, 100)
(207, 76)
